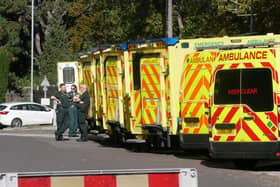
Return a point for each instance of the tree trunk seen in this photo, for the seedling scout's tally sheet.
(38, 44)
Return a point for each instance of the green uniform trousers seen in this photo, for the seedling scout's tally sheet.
(62, 122)
(82, 125)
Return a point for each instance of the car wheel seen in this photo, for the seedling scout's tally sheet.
(16, 123)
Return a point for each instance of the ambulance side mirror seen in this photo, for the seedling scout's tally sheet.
(166, 71)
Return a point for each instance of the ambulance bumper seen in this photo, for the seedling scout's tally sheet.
(194, 141)
(244, 150)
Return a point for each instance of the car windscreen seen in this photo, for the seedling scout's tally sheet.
(252, 87)
(2, 107)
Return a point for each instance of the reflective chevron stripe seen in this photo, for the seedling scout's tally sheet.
(150, 90)
(195, 85)
(263, 125)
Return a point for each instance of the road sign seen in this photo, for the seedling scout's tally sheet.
(45, 84)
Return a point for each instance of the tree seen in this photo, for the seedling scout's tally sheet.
(98, 22)
(56, 38)
(114, 21)
(4, 66)
(14, 29)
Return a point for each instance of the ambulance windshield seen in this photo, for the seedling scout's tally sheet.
(252, 87)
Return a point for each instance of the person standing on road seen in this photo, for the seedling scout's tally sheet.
(82, 104)
(73, 113)
(63, 105)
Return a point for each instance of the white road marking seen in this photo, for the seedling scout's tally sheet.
(28, 135)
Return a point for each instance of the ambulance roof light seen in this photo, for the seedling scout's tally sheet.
(240, 46)
(170, 41)
(84, 56)
(166, 41)
(123, 46)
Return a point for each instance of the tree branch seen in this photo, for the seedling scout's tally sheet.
(38, 44)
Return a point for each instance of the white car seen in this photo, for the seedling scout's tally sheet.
(25, 113)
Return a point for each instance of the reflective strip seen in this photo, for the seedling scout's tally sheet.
(150, 90)
(69, 181)
(98, 92)
(138, 113)
(163, 180)
(257, 129)
(112, 90)
(89, 76)
(34, 182)
(238, 127)
(86, 78)
(100, 181)
(133, 180)
(249, 131)
(119, 178)
(196, 85)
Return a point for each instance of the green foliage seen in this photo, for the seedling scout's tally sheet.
(4, 66)
(56, 45)
(108, 21)
(66, 27)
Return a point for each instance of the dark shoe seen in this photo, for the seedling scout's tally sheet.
(74, 135)
(80, 140)
(58, 138)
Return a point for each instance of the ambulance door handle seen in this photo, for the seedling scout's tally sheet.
(248, 117)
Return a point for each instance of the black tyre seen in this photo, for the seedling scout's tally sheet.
(245, 164)
(16, 123)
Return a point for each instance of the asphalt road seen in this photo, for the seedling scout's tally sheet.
(32, 150)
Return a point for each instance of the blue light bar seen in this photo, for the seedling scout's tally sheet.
(123, 46)
(166, 41)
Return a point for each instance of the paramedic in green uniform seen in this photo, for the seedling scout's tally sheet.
(82, 105)
(63, 105)
(73, 112)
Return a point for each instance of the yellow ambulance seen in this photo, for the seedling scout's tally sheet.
(194, 100)
(68, 73)
(110, 85)
(244, 102)
(159, 73)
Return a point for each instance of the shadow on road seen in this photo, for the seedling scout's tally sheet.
(259, 166)
(203, 155)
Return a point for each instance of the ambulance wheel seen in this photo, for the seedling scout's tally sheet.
(245, 164)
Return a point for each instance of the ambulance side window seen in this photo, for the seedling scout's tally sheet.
(109, 58)
(85, 64)
(68, 75)
(136, 71)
